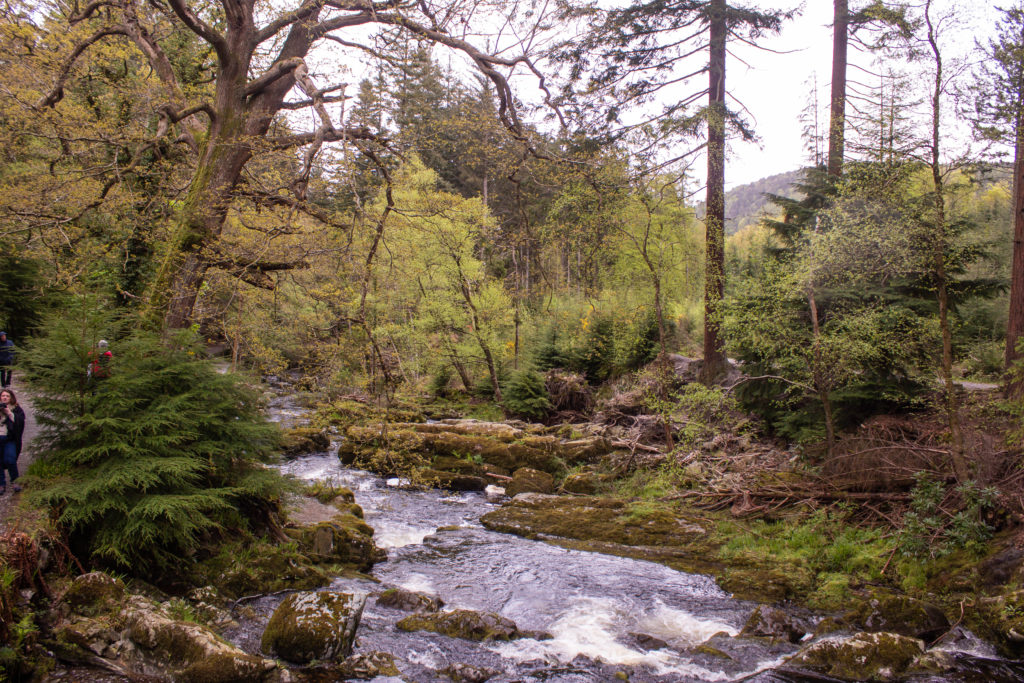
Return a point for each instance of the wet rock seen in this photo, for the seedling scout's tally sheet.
(308, 626)
(861, 657)
(494, 493)
(94, 592)
(645, 642)
(409, 601)
(770, 622)
(363, 667)
(467, 673)
(766, 582)
(896, 613)
(91, 635)
(299, 440)
(527, 480)
(189, 652)
(465, 624)
(345, 539)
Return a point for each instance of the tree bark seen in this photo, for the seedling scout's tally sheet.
(714, 219)
(837, 112)
(1015, 320)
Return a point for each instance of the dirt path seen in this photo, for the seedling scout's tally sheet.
(9, 501)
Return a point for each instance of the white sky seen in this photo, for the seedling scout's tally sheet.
(775, 87)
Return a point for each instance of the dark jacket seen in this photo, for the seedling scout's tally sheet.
(7, 352)
(16, 427)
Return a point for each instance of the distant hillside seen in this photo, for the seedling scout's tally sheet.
(746, 204)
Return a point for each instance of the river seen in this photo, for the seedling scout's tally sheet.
(608, 616)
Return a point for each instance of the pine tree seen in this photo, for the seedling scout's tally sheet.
(145, 465)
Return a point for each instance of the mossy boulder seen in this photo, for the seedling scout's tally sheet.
(465, 624)
(529, 480)
(1001, 619)
(593, 519)
(308, 626)
(586, 483)
(861, 657)
(409, 601)
(896, 613)
(344, 539)
(771, 622)
(262, 568)
(300, 440)
(453, 481)
(94, 593)
(187, 651)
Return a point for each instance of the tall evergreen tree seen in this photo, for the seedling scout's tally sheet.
(632, 56)
(1000, 109)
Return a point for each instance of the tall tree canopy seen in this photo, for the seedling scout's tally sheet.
(220, 87)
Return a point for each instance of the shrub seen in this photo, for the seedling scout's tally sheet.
(148, 463)
(526, 395)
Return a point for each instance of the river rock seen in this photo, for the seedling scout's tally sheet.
(345, 539)
(299, 440)
(467, 673)
(861, 657)
(308, 626)
(465, 624)
(364, 667)
(895, 613)
(409, 601)
(771, 622)
(191, 652)
(494, 493)
(527, 480)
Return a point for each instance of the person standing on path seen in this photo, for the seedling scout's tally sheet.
(6, 360)
(12, 427)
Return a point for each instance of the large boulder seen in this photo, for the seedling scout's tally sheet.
(188, 652)
(308, 626)
(528, 480)
(300, 440)
(344, 539)
(465, 624)
(896, 613)
(861, 657)
(93, 593)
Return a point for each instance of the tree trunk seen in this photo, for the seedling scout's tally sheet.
(714, 219)
(837, 115)
(940, 241)
(1015, 321)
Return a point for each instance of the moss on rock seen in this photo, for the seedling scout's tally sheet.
(313, 626)
(409, 601)
(465, 624)
(884, 610)
(862, 657)
(529, 480)
(94, 593)
(300, 440)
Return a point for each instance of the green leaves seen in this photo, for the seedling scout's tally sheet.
(146, 464)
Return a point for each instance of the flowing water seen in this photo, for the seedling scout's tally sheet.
(605, 614)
